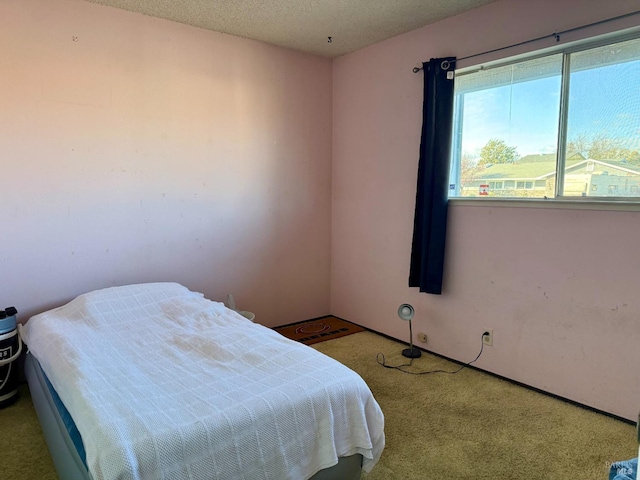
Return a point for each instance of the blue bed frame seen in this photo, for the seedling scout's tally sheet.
(67, 460)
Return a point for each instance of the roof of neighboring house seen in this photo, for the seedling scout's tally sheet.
(530, 170)
(541, 167)
(620, 165)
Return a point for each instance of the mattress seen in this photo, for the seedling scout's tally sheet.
(61, 436)
(62, 412)
(156, 329)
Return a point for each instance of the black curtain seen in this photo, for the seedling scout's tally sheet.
(430, 222)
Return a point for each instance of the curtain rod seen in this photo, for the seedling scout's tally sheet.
(556, 35)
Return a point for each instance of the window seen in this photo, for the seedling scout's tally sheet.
(563, 125)
(522, 184)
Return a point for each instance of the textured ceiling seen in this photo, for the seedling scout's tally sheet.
(304, 24)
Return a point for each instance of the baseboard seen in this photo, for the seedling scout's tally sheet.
(311, 320)
(501, 377)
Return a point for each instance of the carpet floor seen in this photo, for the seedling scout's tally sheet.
(475, 426)
(24, 452)
(452, 427)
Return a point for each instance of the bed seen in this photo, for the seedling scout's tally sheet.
(155, 381)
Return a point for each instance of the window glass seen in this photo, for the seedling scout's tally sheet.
(506, 127)
(603, 122)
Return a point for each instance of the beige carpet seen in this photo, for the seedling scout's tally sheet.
(23, 453)
(474, 426)
(446, 427)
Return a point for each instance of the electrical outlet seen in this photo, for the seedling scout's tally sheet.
(422, 337)
(487, 337)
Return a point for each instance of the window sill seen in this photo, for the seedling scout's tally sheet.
(564, 204)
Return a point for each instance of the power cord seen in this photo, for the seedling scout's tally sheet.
(426, 372)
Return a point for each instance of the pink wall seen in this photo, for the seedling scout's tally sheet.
(135, 149)
(557, 286)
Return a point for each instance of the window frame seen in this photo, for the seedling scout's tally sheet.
(608, 202)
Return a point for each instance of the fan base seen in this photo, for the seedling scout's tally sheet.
(412, 352)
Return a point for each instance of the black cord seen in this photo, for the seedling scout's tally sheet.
(400, 367)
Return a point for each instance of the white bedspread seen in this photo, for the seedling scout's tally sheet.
(163, 383)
